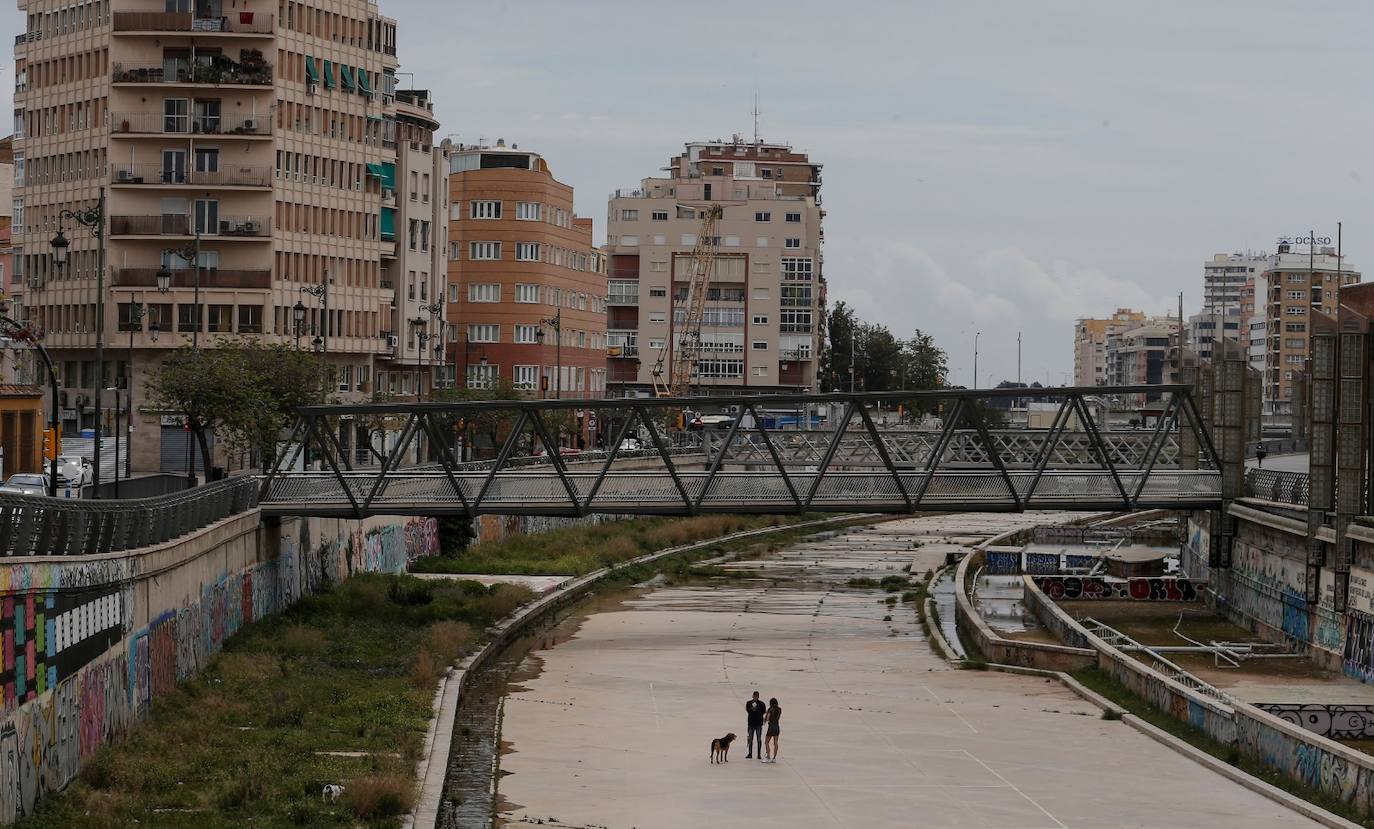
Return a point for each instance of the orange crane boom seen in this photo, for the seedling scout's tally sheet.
(688, 348)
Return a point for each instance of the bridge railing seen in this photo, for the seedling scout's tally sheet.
(1280, 487)
(41, 526)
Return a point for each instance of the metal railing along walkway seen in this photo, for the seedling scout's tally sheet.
(858, 466)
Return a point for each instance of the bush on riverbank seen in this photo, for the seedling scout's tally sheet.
(576, 551)
(246, 743)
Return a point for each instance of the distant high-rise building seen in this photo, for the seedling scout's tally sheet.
(1298, 283)
(1224, 280)
(1205, 328)
(1138, 354)
(1090, 345)
(762, 327)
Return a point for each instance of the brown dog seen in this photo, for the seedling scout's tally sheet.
(720, 748)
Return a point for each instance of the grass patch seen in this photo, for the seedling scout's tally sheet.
(1109, 687)
(576, 551)
(352, 669)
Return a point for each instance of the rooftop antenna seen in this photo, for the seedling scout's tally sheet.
(756, 117)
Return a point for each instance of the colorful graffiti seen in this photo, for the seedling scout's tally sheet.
(1339, 722)
(1002, 562)
(76, 675)
(1139, 589)
(1042, 563)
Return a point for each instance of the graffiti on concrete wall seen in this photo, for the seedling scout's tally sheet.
(1339, 722)
(1358, 656)
(1042, 563)
(1002, 562)
(1141, 588)
(488, 528)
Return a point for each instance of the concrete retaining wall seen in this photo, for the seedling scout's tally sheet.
(91, 641)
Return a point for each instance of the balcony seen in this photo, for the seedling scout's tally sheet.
(156, 174)
(242, 23)
(186, 278)
(623, 298)
(249, 227)
(256, 72)
(628, 350)
(152, 123)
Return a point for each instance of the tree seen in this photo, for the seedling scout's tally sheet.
(841, 325)
(245, 391)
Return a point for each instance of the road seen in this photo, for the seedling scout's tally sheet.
(1281, 463)
(611, 727)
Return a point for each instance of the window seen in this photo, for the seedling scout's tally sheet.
(763, 216)
(658, 316)
(527, 251)
(529, 211)
(655, 343)
(527, 334)
(481, 377)
(629, 241)
(484, 292)
(760, 345)
(250, 319)
(1295, 294)
(453, 295)
(658, 292)
(526, 293)
(1295, 326)
(794, 321)
(689, 240)
(525, 378)
(1296, 342)
(484, 250)
(720, 368)
(1294, 359)
(796, 270)
(732, 241)
(629, 215)
(760, 319)
(760, 293)
(484, 333)
(1295, 312)
(794, 217)
(487, 209)
(659, 216)
(1297, 277)
(791, 243)
(761, 371)
(658, 266)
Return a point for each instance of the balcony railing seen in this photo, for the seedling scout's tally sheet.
(622, 299)
(157, 21)
(233, 176)
(180, 225)
(182, 71)
(186, 278)
(630, 350)
(155, 123)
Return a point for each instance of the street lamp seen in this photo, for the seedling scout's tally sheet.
(298, 314)
(436, 310)
(164, 280)
(556, 323)
(421, 338)
(94, 219)
(320, 292)
(188, 253)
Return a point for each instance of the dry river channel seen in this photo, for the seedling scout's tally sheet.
(603, 719)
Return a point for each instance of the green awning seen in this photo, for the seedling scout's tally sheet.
(388, 223)
(346, 77)
(374, 170)
(312, 71)
(364, 82)
(375, 118)
(329, 81)
(389, 175)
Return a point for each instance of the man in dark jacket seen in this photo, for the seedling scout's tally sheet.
(755, 709)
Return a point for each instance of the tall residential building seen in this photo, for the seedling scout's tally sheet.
(765, 301)
(1138, 354)
(1225, 277)
(263, 132)
(1090, 338)
(1206, 327)
(526, 286)
(1298, 283)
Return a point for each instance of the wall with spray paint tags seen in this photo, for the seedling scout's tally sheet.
(88, 643)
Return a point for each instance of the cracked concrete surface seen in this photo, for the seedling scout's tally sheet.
(877, 731)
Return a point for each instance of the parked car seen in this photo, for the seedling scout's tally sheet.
(75, 470)
(26, 483)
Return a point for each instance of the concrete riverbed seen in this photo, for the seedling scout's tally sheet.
(609, 723)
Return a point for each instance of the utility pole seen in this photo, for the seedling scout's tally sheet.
(1018, 358)
(976, 335)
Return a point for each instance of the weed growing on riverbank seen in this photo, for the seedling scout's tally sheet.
(278, 715)
(576, 551)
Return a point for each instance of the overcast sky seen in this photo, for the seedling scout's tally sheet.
(989, 166)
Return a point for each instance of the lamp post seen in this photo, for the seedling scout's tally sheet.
(298, 315)
(976, 335)
(421, 338)
(188, 253)
(94, 219)
(556, 323)
(436, 310)
(24, 334)
(137, 311)
(321, 292)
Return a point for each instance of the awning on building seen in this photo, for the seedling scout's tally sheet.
(346, 77)
(375, 170)
(312, 70)
(329, 81)
(364, 82)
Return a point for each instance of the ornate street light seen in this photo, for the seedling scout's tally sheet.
(92, 218)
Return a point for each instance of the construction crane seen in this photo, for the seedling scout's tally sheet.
(688, 348)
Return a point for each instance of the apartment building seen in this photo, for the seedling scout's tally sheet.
(1225, 278)
(1090, 337)
(763, 320)
(1298, 283)
(1138, 354)
(257, 140)
(1206, 327)
(526, 286)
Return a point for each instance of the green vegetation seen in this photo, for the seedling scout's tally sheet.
(576, 551)
(1108, 686)
(245, 743)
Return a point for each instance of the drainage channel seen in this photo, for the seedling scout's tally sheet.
(470, 798)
